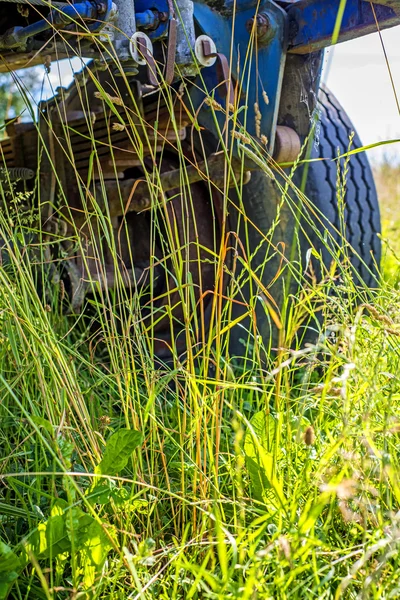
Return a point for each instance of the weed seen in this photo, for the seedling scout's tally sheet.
(275, 476)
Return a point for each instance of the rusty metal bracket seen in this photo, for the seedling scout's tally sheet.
(141, 50)
(224, 74)
(171, 51)
(134, 195)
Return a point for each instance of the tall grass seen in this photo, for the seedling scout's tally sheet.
(192, 476)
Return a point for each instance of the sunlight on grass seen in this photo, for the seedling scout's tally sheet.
(142, 458)
(388, 184)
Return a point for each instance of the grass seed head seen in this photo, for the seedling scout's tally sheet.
(265, 97)
(113, 99)
(105, 421)
(213, 103)
(257, 117)
(309, 436)
(240, 136)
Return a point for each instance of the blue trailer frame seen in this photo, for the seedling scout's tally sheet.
(251, 48)
(258, 61)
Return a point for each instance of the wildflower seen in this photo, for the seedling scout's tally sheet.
(349, 516)
(285, 546)
(346, 489)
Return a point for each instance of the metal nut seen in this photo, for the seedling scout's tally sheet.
(262, 26)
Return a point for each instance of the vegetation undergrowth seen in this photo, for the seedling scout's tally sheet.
(201, 476)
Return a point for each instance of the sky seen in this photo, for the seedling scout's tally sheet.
(357, 73)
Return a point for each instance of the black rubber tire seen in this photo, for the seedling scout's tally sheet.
(260, 199)
(362, 214)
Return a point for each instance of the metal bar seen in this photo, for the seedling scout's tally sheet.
(18, 35)
(185, 35)
(312, 22)
(125, 25)
(58, 16)
(83, 10)
(256, 56)
(133, 195)
(47, 3)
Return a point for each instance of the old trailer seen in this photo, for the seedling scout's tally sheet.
(166, 168)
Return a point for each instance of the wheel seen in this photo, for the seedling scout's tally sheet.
(283, 231)
(150, 261)
(362, 216)
(193, 267)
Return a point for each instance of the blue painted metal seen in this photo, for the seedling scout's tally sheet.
(228, 7)
(73, 12)
(56, 17)
(87, 11)
(161, 6)
(312, 22)
(147, 19)
(256, 63)
(20, 34)
(102, 17)
(256, 69)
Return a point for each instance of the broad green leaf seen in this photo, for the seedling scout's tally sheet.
(118, 450)
(72, 530)
(41, 422)
(10, 566)
(100, 494)
(265, 428)
(258, 446)
(9, 561)
(14, 511)
(312, 511)
(75, 526)
(121, 496)
(51, 538)
(90, 541)
(56, 537)
(66, 449)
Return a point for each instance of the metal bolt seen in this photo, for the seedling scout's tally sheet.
(101, 8)
(262, 26)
